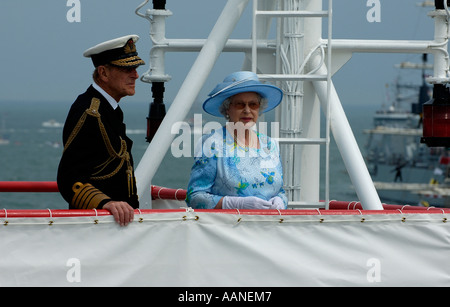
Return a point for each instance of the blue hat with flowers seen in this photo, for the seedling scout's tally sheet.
(241, 82)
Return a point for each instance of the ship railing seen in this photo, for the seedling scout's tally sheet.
(179, 195)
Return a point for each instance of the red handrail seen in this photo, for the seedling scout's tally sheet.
(47, 213)
(28, 186)
(180, 194)
(52, 186)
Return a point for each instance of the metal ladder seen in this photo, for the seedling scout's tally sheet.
(288, 143)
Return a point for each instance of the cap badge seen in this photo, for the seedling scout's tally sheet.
(129, 47)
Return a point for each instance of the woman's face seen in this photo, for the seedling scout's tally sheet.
(244, 107)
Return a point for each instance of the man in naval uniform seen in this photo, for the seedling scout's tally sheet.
(96, 167)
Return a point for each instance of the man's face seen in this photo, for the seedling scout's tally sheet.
(119, 81)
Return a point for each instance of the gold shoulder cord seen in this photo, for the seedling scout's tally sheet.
(93, 111)
(122, 154)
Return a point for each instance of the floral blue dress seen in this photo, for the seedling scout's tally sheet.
(223, 168)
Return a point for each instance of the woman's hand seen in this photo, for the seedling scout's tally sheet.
(249, 202)
(277, 203)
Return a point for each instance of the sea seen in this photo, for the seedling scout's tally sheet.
(35, 146)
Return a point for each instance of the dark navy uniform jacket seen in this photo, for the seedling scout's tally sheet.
(96, 165)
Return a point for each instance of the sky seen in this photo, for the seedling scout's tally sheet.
(42, 51)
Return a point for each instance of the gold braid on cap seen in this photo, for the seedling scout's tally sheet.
(131, 61)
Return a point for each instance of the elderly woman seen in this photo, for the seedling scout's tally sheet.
(238, 167)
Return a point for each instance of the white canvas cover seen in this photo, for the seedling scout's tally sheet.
(188, 248)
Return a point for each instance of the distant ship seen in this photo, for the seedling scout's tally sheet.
(3, 138)
(52, 124)
(3, 141)
(403, 169)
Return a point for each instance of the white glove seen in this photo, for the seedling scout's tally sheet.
(277, 203)
(249, 202)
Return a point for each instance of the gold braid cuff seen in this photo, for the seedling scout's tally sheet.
(87, 196)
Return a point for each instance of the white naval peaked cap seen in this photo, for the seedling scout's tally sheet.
(120, 52)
